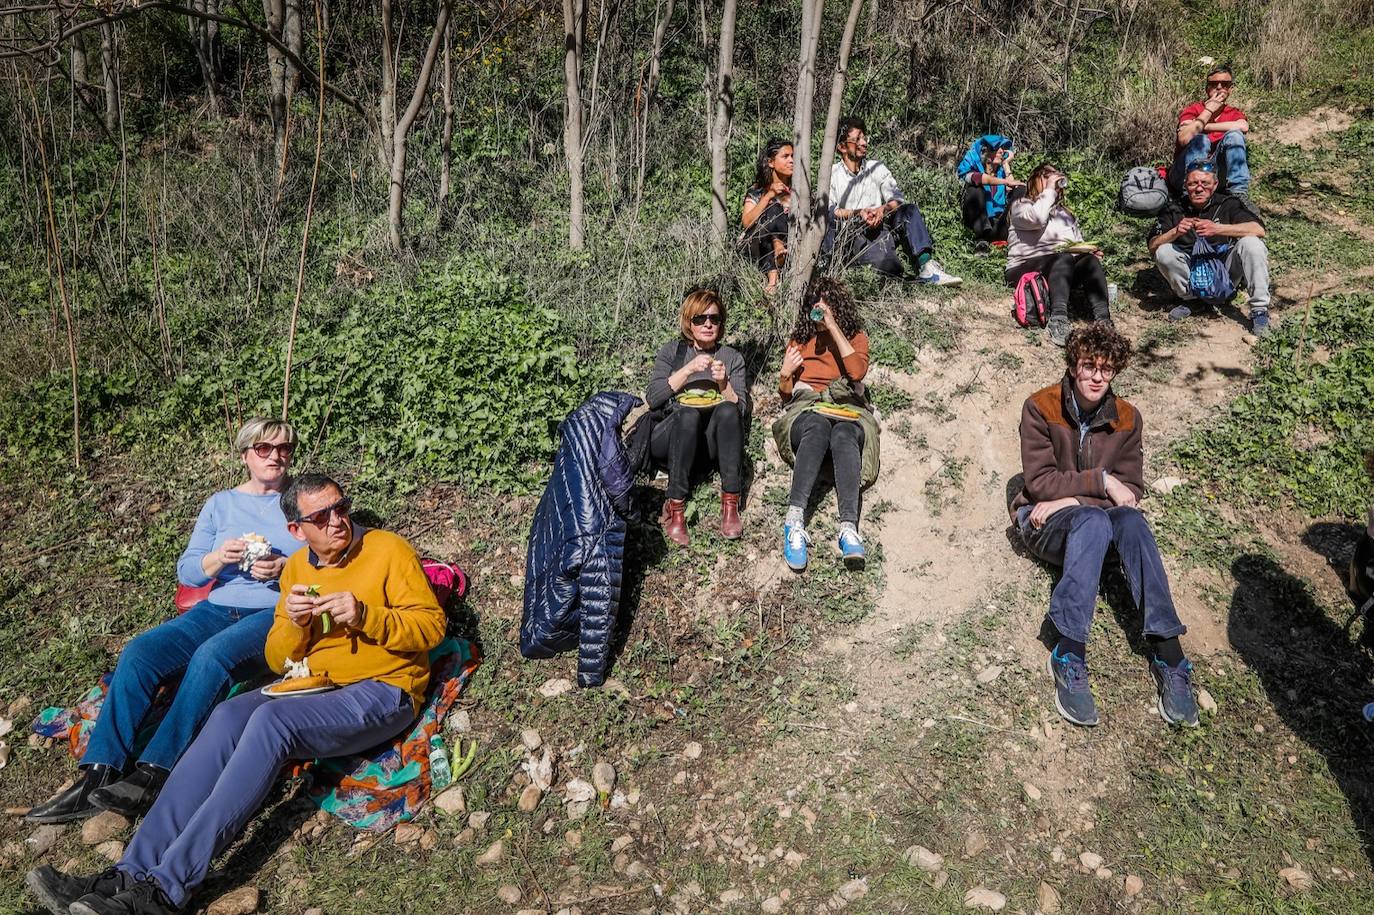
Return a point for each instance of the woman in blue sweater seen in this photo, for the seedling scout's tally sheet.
(989, 187)
(216, 643)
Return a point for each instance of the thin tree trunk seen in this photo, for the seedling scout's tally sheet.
(396, 203)
(205, 39)
(574, 31)
(109, 71)
(650, 91)
(720, 132)
(386, 101)
(803, 222)
(446, 145)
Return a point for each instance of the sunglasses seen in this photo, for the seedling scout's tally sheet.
(321, 517)
(1219, 83)
(264, 449)
(699, 320)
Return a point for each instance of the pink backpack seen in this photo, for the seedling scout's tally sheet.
(450, 583)
(1031, 299)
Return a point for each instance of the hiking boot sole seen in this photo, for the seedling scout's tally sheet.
(1159, 706)
(1063, 713)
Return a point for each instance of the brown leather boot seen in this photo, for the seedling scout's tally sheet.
(731, 527)
(674, 521)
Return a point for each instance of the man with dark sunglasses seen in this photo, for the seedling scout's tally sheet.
(356, 611)
(1211, 131)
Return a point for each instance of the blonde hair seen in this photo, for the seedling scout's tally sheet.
(697, 301)
(259, 429)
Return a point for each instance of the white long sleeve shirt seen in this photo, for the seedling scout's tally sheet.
(1037, 227)
(872, 186)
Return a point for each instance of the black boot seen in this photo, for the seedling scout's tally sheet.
(131, 797)
(75, 802)
(57, 891)
(145, 897)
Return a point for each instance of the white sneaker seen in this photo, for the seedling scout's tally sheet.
(936, 275)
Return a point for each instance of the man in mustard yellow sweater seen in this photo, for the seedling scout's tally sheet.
(356, 607)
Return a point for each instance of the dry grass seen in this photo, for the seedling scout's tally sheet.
(1287, 43)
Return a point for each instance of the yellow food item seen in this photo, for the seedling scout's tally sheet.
(837, 410)
(298, 684)
(703, 398)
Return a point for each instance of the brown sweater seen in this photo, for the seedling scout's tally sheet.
(821, 363)
(1056, 466)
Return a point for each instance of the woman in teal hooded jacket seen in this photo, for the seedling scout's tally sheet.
(988, 188)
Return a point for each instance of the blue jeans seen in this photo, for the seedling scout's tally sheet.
(1228, 157)
(225, 775)
(877, 247)
(210, 647)
(1077, 540)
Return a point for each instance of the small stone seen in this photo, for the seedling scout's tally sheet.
(529, 799)
(1103, 873)
(635, 870)
(314, 911)
(555, 687)
(478, 821)
(460, 722)
(692, 750)
(464, 838)
(731, 896)
(603, 777)
(43, 839)
(531, 739)
(680, 777)
(573, 839)
(1297, 878)
(853, 890)
(1047, 899)
(988, 674)
(19, 706)
(940, 880)
(451, 801)
(616, 687)
(1206, 702)
(793, 858)
(494, 854)
(242, 901)
(102, 827)
(772, 905)
(923, 858)
(509, 894)
(429, 840)
(974, 843)
(113, 850)
(1259, 729)
(408, 833)
(1133, 885)
(621, 843)
(1166, 485)
(1091, 860)
(980, 897)
(1032, 792)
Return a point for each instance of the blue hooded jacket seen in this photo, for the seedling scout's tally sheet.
(973, 162)
(577, 542)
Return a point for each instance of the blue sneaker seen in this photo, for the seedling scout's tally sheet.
(852, 548)
(1259, 323)
(1072, 695)
(795, 540)
(1175, 687)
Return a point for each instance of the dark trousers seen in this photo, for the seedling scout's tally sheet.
(973, 208)
(813, 437)
(1077, 540)
(759, 238)
(877, 247)
(677, 442)
(1065, 273)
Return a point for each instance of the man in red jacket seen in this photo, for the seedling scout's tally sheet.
(1082, 462)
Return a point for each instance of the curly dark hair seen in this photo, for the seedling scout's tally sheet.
(1098, 340)
(836, 294)
(763, 171)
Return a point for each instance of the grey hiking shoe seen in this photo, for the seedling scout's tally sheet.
(1059, 330)
(1072, 695)
(1175, 687)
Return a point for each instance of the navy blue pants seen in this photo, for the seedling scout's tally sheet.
(876, 247)
(1077, 539)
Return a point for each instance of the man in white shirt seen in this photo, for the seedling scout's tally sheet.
(869, 220)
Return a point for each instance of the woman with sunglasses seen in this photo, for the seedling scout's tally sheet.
(701, 384)
(216, 643)
(1045, 238)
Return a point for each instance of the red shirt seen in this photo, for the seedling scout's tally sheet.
(1227, 113)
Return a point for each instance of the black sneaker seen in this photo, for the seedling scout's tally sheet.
(75, 802)
(131, 797)
(1176, 705)
(146, 897)
(981, 248)
(57, 891)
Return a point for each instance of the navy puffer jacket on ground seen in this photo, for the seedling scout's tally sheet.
(577, 544)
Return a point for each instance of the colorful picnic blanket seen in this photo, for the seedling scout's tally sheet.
(368, 792)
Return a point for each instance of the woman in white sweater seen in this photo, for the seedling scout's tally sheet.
(1041, 227)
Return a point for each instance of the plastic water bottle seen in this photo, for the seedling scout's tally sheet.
(440, 773)
(1112, 292)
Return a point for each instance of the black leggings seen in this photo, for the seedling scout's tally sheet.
(1065, 272)
(676, 441)
(758, 238)
(813, 436)
(973, 209)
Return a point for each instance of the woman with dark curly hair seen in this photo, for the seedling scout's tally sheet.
(1083, 481)
(826, 412)
(766, 205)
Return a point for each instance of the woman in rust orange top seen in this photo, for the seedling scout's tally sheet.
(828, 344)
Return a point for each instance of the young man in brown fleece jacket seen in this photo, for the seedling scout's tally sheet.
(1081, 455)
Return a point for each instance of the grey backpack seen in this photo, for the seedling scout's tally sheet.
(1143, 192)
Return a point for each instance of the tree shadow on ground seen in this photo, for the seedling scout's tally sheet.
(1315, 677)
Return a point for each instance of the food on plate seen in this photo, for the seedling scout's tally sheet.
(699, 397)
(839, 411)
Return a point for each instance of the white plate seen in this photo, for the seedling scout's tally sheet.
(267, 691)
